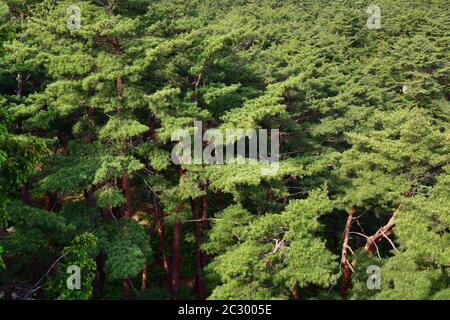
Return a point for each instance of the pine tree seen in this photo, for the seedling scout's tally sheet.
(91, 93)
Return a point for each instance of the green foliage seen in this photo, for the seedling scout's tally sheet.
(87, 115)
(78, 253)
(126, 249)
(274, 253)
(110, 197)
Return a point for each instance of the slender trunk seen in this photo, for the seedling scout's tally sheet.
(345, 264)
(89, 196)
(58, 201)
(48, 203)
(199, 283)
(35, 273)
(205, 207)
(19, 90)
(25, 194)
(99, 276)
(144, 276)
(126, 288)
(176, 266)
(158, 215)
(126, 283)
(205, 225)
(127, 194)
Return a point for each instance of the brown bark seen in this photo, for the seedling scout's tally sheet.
(205, 207)
(345, 264)
(144, 276)
(176, 264)
(295, 294)
(126, 288)
(53, 201)
(127, 194)
(48, 203)
(89, 196)
(382, 232)
(199, 283)
(158, 215)
(25, 194)
(99, 276)
(176, 260)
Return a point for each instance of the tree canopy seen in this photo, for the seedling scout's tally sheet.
(91, 93)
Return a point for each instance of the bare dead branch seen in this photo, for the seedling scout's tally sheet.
(381, 232)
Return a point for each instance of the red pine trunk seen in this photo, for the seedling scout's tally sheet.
(176, 260)
(144, 276)
(205, 208)
(205, 201)
(347, 272)
(158, 215)
(99, 276)
(127, 194)
(199, 283)
(295, 295)
(25, 195)
(126, 289)
(48, 203)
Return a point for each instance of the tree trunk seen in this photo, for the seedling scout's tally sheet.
(127, 194)
(25, 194)
(89, 196)
(345, 264)
(126, 286)
(205, 225)
(205, 207)
(35, 273)
(295, 295)
(199, 283)
(144, 276)
(176, 260)
(53, 201)
(99, 276)
(48, 203)
(158, 215)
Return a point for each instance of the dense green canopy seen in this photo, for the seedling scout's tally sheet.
(90, 98)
